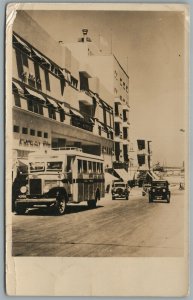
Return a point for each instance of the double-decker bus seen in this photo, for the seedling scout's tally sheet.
(59, 177)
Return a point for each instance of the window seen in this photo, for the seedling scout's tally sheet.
(127, 88)
(84, 166)
(24, 130)
(90, 167)
(24, 59)
(121, 82)
(16, 128)
(104, 116)
(52, 113)
(98, 168)
(94, 167)
(17, 100)
(99, 130)
(79, 166)
(39, 134)
(124, 85)
(45, 135)
(47, 80)
(37, 76)
(32, 132)
(35, 106)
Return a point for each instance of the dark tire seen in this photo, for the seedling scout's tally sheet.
(60, 206)
(168, 199)
(113, 198)
(20, 210)
(150, 199)
(127, 197)
(92, 203)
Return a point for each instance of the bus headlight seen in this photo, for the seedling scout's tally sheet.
(23, 189)
(164, 190)
(46, 189)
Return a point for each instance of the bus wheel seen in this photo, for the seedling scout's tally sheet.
(92, 203)
(60, 207)
(20, 210)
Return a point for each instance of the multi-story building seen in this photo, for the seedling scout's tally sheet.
(109, 71)
(54, 101)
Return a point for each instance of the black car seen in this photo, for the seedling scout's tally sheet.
(120, 190)
(159, 190)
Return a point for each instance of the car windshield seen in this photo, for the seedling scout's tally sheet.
(159, 184)
(37, 166)
(119, 185)
(54, 165)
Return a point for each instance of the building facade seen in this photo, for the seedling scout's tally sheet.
(115, 79)
(55, 103)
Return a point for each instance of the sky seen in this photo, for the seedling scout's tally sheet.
(151, 48)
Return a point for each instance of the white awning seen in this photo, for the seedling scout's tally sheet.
(74, 112)
(42, 58)
(34, 94)
(45, 61)
(17, 86)
(109, 178)
(51, 101)
(66, 109)
(124, 175)
(19, 41)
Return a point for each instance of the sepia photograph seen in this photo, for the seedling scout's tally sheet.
(97, 130)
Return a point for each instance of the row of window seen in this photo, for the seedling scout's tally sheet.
(85, 166)
(122, 83)
(25, 130)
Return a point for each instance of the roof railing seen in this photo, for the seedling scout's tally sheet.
(67, 148)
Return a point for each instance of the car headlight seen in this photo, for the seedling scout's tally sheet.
(46, 189)
(153, 190)
(164, 190)
(23, 189)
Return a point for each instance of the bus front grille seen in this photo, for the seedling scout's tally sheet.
(35, 186)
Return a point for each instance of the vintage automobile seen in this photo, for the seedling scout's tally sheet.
(120, 189)
(159, 190)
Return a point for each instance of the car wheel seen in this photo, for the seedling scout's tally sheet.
(150, 199)
(60, 206)
(168, 199)
(127, 197)
(113, 198)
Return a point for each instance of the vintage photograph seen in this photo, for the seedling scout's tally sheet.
(98, 143)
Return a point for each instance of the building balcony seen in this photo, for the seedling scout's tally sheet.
(85, 98)
(117, 100)
(126, 123)
(126, 107)
(118, 118)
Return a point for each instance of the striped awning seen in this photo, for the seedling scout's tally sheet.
(34, 94)
(18, 41)
(17, 86)
(52, 102)
(74, 112)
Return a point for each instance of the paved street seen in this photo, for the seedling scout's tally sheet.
(115, 228)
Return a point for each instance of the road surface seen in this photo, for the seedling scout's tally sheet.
(116, 228)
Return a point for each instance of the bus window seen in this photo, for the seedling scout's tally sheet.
(94, 167)
(98, 168)
(84, 166)
(101, 168)
(69, 164)
(54, 166)
(90, 167)
(37, 166)
(79, 166)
